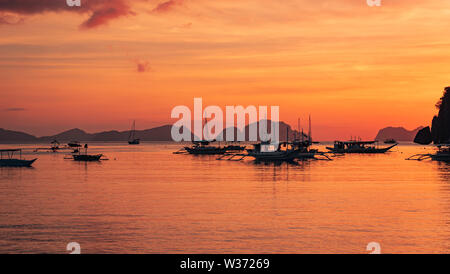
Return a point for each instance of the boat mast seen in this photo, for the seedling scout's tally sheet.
(133, 129)
(310, 130)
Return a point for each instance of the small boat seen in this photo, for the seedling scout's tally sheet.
(368, 147)
(86, 157)
(74, 144)
(442, 154)
(54, 146)
(132, 140)
(234, 147)
(204, 148)
(299, 149)
(390, 141)
(304, 149)
(12, 162)
(266, 151)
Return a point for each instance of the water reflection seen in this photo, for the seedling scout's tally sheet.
(152, 201)
(444, 170)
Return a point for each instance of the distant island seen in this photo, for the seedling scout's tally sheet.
(158, 134)
(397, 133)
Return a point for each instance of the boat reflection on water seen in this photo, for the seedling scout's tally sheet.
(443, 153)
(444, 170)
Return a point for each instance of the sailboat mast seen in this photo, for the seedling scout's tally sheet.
(310, 130)
(133, 126)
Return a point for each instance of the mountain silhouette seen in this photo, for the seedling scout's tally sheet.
(8, 136)
(162, 133)
(397, 133)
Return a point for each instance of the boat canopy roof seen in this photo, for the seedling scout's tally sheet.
(203, 142)
(357, 142)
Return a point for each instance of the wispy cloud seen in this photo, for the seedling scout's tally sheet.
(167, 6)
(14, 109)
(7, 18)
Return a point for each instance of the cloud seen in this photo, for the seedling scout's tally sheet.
(7, 18)
(100, 11)
(143, 66)
(167, 6)
(14, 109)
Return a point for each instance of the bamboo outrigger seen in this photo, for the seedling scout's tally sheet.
(442, 154)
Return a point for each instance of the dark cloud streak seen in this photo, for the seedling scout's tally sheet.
(101, 11)
(15, 109)
(167, 6)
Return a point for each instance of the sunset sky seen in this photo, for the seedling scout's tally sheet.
(354, 68)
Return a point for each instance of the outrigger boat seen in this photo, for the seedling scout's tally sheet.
(86, 157)
(442, 154)
(358, 147)
(74, 144)
(234, 147)
(299, 149)
(204, 148)
(273, 152)
(284, 151)
(12, 162)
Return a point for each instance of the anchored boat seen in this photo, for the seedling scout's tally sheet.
(442, 154)
(9, 161)
(74, 144)
(273, 152)
(86, 157)
(132, 140)
(204, 148)
(358, 147)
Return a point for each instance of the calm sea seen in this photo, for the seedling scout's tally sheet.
(145, 199)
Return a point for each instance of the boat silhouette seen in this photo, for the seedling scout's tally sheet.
(368, 147)
(86, 157)
(132, 140)
(9, 161)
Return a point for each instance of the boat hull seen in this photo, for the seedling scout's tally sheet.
(134, 142)
(274, 156)
(442, 158)
(87, 158)
(16, 163)
(362, 150)
(205, 151)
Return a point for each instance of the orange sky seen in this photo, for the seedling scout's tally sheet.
(355, 68)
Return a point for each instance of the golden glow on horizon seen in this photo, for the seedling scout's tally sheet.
(354, 68)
